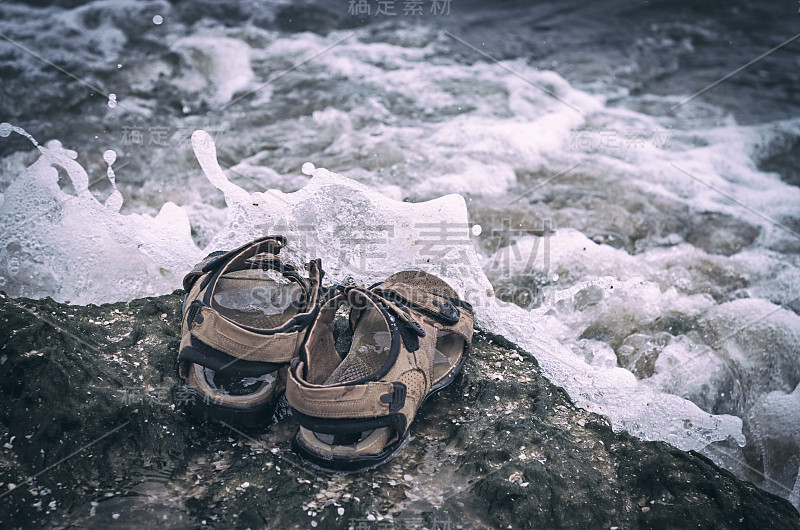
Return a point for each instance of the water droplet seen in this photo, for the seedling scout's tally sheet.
(113, 202)
(119, 66)
(5, 129)
(555, 277)
(3, 281)
(112, 101)
(476, 230)
(110, 156)
(308, 168)
(157, 20)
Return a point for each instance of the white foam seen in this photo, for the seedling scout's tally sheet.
(497, 120)
(76, 249)
(218, 62)
(411, 123)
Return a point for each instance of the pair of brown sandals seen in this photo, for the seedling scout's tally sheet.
(253, 328)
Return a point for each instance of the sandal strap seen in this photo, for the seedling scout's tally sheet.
(220, 333)
(213, 338)
(348, 409)
(367, 400)
(442, 312)
(325, 358)
(273, 244)
(438, 307)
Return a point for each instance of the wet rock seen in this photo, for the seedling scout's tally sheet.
(782, 156)
(294, 19)
(228, 13)
(639, 352)
(717, 233)
(92, 434)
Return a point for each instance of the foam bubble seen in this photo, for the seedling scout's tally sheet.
(105, 256)
(775, 425)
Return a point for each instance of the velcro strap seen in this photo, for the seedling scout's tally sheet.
(439, 310)
(398, 309)
(464, 328)
(370, 400)
(271, 244)
(194, 351)
(198, 271)
(218, 332)
(434, 306)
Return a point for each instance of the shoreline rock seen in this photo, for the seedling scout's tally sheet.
(92, 433)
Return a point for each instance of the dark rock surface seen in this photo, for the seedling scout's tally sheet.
(92, 435)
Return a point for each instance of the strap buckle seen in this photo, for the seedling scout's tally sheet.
(448, 312)
(192, 314)
(396, 399)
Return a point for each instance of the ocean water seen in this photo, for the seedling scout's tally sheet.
(604, 181)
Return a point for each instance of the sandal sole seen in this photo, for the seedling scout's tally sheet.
(206, 409)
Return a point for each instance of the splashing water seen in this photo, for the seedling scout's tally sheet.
(324, 218)
(357, 232)
(114, 201)
(76, 249)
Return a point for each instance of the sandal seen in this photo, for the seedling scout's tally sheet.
(245, 316)
(411, 335)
